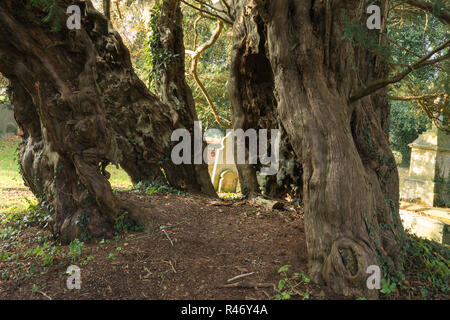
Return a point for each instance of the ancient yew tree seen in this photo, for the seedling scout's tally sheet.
(81, 106)
(350, 182)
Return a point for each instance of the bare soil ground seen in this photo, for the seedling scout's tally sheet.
(210, 241)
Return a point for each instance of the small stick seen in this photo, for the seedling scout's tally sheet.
(45, 295)
(170, 263)
(168, 238)
(240, 276)
(248, 285)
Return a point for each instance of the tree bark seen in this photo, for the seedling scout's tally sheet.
(350, 181)
(81, 107)
(170, 82)
(107, 9)
(254, 106)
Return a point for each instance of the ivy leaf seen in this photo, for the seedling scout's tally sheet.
(284, 268)
(281, 284)
(285, 296)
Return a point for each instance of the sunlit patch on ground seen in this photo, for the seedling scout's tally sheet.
(15, 196)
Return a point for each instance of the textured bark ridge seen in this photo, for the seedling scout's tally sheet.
(81, 107)
(350, 181)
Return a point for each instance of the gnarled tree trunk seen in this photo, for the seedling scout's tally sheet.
(81, 107)
(171, 85)
(350, 181)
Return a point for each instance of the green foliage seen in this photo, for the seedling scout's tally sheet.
(213, 67)
(158, 188)
(231, 196)
(157, 57)
(413, 35)
(44, 254)
(428, 263)
(387, 287)
(123, 224)
(82, 222)
(425, 264)
(288, 286)
(111, 256)
(75, 249)
(86, 261)
(407, 123)
(14, 221)
(359, 36)
(53, 11)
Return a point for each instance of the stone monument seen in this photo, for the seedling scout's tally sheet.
(8, 124)
(429, 173)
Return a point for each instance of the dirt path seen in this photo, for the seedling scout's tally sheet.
(208, 243)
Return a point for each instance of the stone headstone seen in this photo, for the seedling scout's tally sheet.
(8, 124)
(224, 169)
(228, 181)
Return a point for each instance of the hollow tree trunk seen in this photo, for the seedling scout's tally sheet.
(254, 106)
(350, 181)
(81, 106)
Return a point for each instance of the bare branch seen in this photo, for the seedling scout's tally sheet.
(421, 97)
(216, 16)
(195, 55)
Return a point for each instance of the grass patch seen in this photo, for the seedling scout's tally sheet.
(15, 196)
(119, 178)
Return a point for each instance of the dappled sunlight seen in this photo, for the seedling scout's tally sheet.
(422, 163)
(15, 196)
(119, 178)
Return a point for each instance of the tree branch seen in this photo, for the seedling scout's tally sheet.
(208, 13)
(421, 97)
(443, 15)
(378, 84)
(195, 55)
(107, 9)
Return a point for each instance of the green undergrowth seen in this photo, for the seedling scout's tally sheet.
(28, 249)
(292, 284)
(425, 271)
(158, 188)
